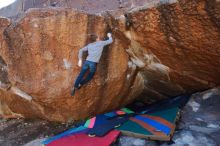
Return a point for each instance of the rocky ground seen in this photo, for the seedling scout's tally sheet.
(199, 126)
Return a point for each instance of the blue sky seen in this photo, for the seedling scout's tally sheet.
(4, 3)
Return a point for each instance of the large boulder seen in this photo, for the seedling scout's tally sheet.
(159, 50)
(40, 55)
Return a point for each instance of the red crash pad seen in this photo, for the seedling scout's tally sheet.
(84, 140)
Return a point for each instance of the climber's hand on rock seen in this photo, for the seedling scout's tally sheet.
(109, 35)
(80, 63)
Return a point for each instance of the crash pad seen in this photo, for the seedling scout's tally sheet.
(71, 131)
(122, 111)
(97, 120)
(82, 139)
(103, 118)
(159, 125)
(102, 129)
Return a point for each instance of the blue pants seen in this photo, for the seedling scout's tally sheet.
(87, 65)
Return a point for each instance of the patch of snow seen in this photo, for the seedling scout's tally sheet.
(139, 142)
(195, 106)
(199, 119)
(210, 93)
(213, 126)
(202, 129)
(207, 95)
(130, 141)
(36, 142)
(188, 138)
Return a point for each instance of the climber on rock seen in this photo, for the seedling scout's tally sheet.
(94, 54)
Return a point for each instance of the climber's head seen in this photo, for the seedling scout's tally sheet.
(94, 37)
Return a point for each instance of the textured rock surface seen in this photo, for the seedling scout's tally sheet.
(41, 58)
(159, 51)
(180, 42)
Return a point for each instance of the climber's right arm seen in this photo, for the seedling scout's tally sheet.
(109, 41)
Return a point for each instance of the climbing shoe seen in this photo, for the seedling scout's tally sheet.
(79, 86)
(73, 91)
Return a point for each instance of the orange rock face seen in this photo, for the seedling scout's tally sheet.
(178, 46)
(158, 52)
(41, 57)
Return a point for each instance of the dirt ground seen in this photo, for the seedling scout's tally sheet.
(17, 132)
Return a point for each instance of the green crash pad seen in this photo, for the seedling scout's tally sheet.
(135, 129)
